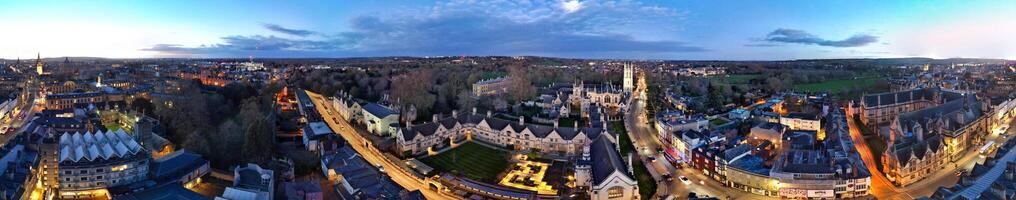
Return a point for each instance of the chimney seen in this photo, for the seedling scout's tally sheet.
(522, 120)
(488, 114)
(576, 124)
(455, 114)
(474, 110)
(555, 124)
(435, 117)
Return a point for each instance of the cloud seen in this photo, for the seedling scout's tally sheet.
(471, 28)
(795, 36)
(284, 30)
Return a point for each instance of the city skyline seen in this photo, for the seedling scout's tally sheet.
(576, 29)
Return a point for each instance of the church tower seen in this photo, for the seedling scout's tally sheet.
(628, 84)
(38, 64)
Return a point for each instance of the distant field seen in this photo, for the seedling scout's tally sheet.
(736, 78)
(471, 160)
(835, 86)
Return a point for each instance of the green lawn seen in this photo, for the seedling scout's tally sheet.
(471, 160)
(647, 186)
(835, 86)
(617, 127)
(569, 121)
(717, 121)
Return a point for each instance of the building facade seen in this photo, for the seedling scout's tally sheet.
(491, 87)
(922, 142)
(605, 173)
(90, 163)
(414, 139)
(380, 120)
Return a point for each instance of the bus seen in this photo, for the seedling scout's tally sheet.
(987, 148)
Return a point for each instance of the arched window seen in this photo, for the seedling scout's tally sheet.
(615, 192)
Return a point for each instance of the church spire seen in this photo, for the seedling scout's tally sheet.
(38, 64)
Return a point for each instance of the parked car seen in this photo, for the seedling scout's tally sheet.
(685, 180)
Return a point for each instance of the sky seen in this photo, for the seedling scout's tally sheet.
(626, 29)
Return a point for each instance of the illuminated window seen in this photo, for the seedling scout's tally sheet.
(118, 168)
(615, 192)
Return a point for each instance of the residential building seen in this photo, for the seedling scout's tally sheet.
(348, 108)
(414, 139)
(20, 176)
(166, 191)
(605, 173)
(671, 121)
(801, 121)
(180, 167)
(303, 190)
(313, 132)
(769, 131)
(830, 171)
(355, 178)
(380, 120)
(251, 181)
(684, 141)
(739, 114)
(491, 87)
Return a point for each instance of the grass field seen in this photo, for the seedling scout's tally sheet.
(835, 86)
(617, 127)
(647, 186)
(717, 121)
(735, 78)
(471, 160)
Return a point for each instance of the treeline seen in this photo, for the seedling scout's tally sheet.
(229, 125)
(441, 88)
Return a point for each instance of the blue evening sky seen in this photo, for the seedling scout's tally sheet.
(631, 29)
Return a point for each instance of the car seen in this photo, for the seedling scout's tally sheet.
(652, 158)
(960, 172)
(685, 180)
(701, 182)
(668, 177)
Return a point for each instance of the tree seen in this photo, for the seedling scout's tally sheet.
(413, 88)
(520, 86)
(466, 100)
(258, 131)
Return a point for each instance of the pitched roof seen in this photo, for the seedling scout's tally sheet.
(606, 160)
(378, 111)
(109, 145)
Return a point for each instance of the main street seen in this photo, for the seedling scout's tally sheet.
(17, 121)
(881, 188)
(646, 144)
(368, 152)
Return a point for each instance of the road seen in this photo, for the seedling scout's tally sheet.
(18, 122)
(881, 188)
(368, 152)
(646, 142)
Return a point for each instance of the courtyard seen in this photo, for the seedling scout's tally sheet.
(529, 175)
(471, 160)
